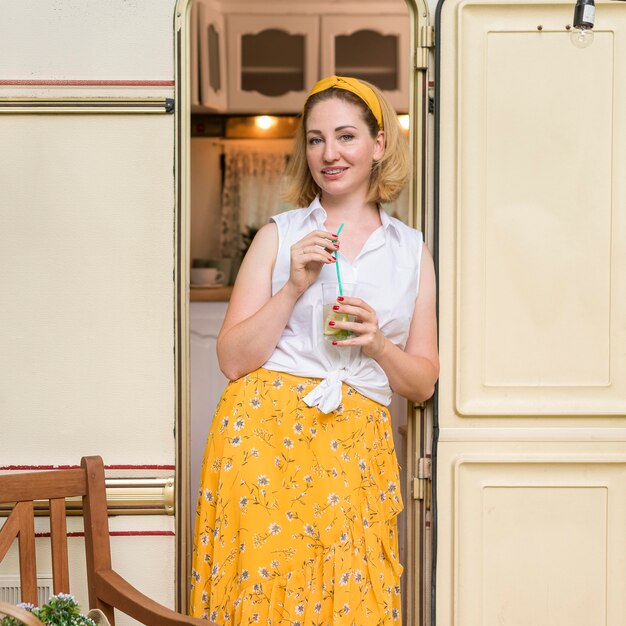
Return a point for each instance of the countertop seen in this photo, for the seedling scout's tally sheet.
(212, 294)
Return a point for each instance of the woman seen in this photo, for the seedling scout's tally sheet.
(296, 520)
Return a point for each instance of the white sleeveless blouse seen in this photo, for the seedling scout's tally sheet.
(386, 273)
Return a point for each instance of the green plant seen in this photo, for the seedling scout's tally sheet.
(60, 610)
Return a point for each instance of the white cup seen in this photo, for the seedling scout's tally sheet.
(206, 276)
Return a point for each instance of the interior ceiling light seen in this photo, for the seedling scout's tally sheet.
(264, 121)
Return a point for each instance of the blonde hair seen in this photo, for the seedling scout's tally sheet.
(389, 175)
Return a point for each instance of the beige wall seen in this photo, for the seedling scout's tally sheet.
(87, 259)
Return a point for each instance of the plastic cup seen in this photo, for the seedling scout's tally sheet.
(330, 291)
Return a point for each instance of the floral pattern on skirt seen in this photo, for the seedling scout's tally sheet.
(296, 517)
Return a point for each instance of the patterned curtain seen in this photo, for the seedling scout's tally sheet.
(251, 189)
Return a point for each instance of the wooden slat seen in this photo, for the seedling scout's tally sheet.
(9, 532)
(42, 485)
(28, 561)
(118, 592)
(96, 521)
(58, 539)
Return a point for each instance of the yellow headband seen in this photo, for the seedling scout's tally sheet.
(356, 87)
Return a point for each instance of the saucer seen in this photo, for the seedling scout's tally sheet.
(207, 286)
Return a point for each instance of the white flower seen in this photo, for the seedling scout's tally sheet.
(245, 574)
(243, 502)
(254, 452)
(288, 443)
(235, 441)
(208, 495)
(362, 465)
(334, 444)
(278, 383)
(346, 608)
(300, 608)
(358, 576)
(345, 579)
(309, 530)
(313, 431)
(275, 563)
(263, 572)
(289, 515)
(263, 480)
(333, 499)
(255, 403)
(395, 613)
(274, 528)
(239, 424)
(318, 607)
(225, 422)
(308, 478)
(392, 487)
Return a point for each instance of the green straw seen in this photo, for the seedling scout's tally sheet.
(337, 264)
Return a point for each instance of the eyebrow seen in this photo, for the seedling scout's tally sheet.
(319, 132)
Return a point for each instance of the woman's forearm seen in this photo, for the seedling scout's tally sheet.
(411, 376)
(248, 344)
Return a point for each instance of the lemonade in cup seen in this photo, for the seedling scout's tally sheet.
(330, 291)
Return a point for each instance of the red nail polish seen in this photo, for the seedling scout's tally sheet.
(331, 323)
(340, 298)
(334, 343)
(335, 307)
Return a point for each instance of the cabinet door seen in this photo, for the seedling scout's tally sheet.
(212, 58)
(272, 61)
(531, 406)
(370, 47)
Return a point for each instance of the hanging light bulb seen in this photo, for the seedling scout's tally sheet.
(584, 18)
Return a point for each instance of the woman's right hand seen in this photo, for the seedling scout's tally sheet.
(308, 256)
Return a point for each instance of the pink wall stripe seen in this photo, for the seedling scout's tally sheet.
(10, 468)
(90, 83)
(122, 533)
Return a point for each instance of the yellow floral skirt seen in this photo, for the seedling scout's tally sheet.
(296, 517)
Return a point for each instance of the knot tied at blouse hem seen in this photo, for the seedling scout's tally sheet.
(327, 395)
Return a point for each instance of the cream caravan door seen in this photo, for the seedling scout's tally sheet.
(531, 451)
(90, 260)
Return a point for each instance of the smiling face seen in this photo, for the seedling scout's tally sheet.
(340, 148)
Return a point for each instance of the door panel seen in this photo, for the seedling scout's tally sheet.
(531, 472)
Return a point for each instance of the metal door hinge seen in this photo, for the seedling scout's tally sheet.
(426, 41)
(424, 473)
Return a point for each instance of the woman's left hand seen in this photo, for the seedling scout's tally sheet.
(367, 334)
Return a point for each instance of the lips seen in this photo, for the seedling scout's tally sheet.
(333, 171)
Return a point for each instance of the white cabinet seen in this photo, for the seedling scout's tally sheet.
(272, 61)
(207, 53)
(370, 47)
(207, 382)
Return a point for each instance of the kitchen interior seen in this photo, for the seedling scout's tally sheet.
(252, 66)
